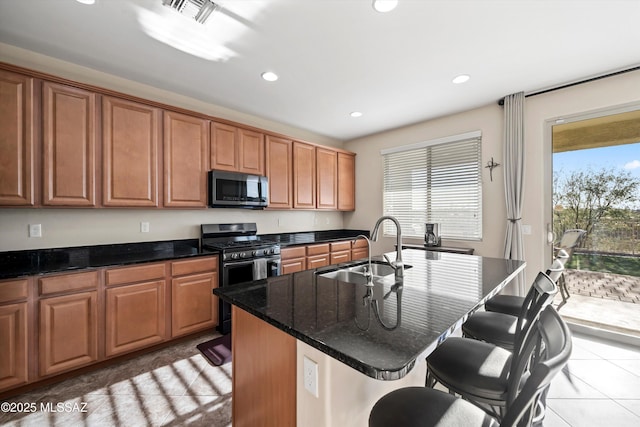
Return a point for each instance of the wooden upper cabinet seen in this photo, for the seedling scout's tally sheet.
(17, 139)
(327, 178)
(186, 148)
(346, 182)
(304, 175)
(279, 171)
(224, 147)
(250, 152)
(69, 146)
(236, 149)
(130, 141)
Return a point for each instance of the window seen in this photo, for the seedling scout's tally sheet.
(436, 181)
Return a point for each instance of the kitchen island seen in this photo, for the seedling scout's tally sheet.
(356, 335)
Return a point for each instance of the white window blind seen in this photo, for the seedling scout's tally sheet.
(436, 181)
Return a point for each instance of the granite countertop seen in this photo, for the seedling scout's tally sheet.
(381, 330)
(43, 261)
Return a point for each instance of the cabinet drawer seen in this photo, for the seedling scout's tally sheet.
(359, 243)
(295, 252)
(318, 249)
(68, 282)
(139, 273)
(341, 246)
(198, 265)
(13, 290)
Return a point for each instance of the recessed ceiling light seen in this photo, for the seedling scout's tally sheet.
(269, 76)
(355, 114)
(461, 79)
(86, 1)
(384, 5)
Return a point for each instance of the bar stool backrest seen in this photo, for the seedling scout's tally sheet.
(545, 351)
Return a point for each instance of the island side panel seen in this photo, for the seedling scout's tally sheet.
(264, 373)
(345, 396)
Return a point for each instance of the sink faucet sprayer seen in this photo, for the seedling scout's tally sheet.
(397, 265)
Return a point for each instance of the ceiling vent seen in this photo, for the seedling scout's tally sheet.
(200, 10)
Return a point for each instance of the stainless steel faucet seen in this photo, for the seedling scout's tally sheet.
(397, 265)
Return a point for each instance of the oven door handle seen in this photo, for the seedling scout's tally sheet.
(237, 263)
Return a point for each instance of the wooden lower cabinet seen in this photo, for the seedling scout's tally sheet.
(293, 260)
(264, 373)
(13, 342)
(193, 305)
(359, 249)
(340, 252)
(135, 317)
(68, 336)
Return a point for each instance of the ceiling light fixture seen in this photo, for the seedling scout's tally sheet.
(86, 1)
(200, 10)
(269, 76)
(384, 6)
(355, 114)
(462, 78)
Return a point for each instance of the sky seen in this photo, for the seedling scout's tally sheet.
(620, 157)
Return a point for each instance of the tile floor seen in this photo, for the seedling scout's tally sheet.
(600, 386)
(176, 387)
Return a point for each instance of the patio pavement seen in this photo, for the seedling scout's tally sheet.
(603, 300)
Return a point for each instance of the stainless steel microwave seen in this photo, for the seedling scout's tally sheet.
(237, 190)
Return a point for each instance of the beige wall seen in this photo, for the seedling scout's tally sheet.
(67, 227)
(597, 95)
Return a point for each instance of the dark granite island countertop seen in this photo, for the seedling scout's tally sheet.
(379, 331)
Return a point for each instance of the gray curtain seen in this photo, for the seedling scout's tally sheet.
(514, 178)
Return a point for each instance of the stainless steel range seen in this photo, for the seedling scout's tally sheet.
(244, 257)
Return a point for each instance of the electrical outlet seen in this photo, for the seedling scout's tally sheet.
(35, 230)
(144, 227)
(310, 374)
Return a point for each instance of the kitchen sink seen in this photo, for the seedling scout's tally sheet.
(356, 273)
(345, 276)
(376, 269)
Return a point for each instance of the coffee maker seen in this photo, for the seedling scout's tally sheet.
(432, 234)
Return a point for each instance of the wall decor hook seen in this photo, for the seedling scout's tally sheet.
(491, 165)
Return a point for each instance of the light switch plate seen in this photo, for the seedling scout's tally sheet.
(526, 229)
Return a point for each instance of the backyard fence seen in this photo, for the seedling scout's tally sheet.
(614, 237)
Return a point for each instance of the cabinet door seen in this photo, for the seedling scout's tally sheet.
(69, 151)
(318, 261)
(304, 176)
(327, 178)
(359, 253)
(224, 147)
(250, 152)
(13, 342)
(194, 307)
(68, 335)
(293, 265)
(279, 171)
(346, 182)
(135, 317)
(130, 139)
(17, 138)
(342, 256)
(186, 147)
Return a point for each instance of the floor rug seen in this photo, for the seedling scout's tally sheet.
(217, 351)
